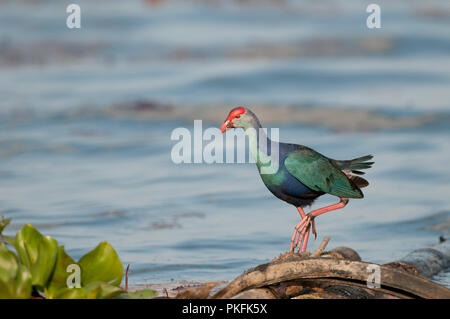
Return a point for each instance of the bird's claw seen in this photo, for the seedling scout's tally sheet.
(301, 233)
(313, 223)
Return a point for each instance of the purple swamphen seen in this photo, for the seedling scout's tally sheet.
(302, 175)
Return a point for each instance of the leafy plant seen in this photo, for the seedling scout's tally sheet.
(101, 264)
(37, 253)
(15, 279)
(42, 267)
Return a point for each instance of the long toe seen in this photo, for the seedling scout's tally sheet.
(305, 239)
(294, 239)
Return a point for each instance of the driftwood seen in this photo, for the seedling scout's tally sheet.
(426, 262)
(340, 273)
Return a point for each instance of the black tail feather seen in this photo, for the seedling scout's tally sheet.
(356, 164)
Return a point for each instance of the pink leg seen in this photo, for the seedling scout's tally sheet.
(302, 213)
(302, 230)
(330, 208)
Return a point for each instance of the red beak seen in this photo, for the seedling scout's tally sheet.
(227, 124)
(235, 113)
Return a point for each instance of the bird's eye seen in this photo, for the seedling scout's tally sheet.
(237, 116)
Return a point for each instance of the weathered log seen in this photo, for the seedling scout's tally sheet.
(340, 273)
(257, 293)
(396, 282)
(426, 262)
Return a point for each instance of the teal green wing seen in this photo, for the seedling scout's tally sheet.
(318, 173)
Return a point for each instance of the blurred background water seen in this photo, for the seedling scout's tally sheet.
(83, 158)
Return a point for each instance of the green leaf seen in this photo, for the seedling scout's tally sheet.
(101, 264)
(15, 279)
(94, 290)
(59, 277)
(23, 283)
(140, 294)
(100, 290)
(38, 253)
(8, 264)
(72, 293)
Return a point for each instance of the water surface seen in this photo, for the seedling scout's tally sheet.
(83, 176)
